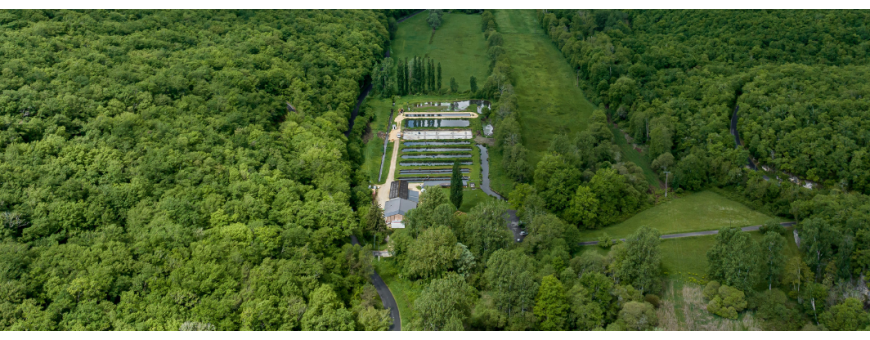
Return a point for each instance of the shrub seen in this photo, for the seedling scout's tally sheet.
(725, 301)
(711, 290)
(605, 241)
(653, 300)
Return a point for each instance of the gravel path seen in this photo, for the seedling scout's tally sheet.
(696, 233)
(386, 296)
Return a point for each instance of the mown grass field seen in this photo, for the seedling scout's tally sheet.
(704, 210)
(458, 45)
(470, 198)
(550, 103)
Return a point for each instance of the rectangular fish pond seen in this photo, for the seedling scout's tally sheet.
(421, 179)
(434, 143)
(434, 149)
(433, 163)
(430, 171)
(436, 123)
(435, 156)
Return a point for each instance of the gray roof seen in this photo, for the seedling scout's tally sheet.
(398, 206)
(414, 195)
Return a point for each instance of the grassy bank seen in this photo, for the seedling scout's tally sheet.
(704, 210)
(550, 103)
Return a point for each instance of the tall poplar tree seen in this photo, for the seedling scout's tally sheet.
(456, 186)
(407, 71)
(439, 77)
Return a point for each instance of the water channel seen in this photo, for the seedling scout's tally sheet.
(484, 169)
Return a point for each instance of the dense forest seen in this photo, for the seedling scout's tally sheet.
(674, 77)
(167, 170)
(672, 80)
(194, 170)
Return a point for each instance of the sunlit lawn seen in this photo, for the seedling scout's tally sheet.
(704, 210)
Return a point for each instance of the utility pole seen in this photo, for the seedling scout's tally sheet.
(666, 183)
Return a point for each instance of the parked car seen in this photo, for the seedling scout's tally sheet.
(523, 233)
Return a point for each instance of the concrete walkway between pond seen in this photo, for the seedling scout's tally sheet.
(697, 233)
(385, 294)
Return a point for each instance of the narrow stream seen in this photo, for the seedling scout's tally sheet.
(484, 168)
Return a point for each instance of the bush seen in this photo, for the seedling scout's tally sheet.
(711, 290)
(653, 300)
(772, 226)
(725, 301)
(605, 241)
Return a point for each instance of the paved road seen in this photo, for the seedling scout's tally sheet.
(386, 296)
(696, 233)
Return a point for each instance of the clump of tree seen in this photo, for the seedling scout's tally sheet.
(725, 301)
(434, 18)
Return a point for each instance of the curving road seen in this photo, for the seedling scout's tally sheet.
(698, 233)
(385, 294)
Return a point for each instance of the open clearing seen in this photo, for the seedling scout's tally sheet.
(704, 210)
(458, 45)
(550, 103)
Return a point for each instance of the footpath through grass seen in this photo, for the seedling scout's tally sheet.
(458, 45)
(549, 101)
(704, 210)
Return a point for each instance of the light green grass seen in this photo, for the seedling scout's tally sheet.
(550, 103)
(458, 45)
(630, 154)
(705, 210)
(470, 198)
(372, 153)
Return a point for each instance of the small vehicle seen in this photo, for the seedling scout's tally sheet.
(523, 233)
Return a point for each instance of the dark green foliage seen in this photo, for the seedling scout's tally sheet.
(674, 83)
(734, 259)
(178, 169)
(445, 304)
(637, 261)
(456, 186)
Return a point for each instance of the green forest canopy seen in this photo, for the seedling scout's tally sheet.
(153, 178)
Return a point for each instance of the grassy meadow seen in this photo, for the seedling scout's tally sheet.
(550, 102)
(458, 45)
(704, 210)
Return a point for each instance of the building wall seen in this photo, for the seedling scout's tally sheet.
(394, 218)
